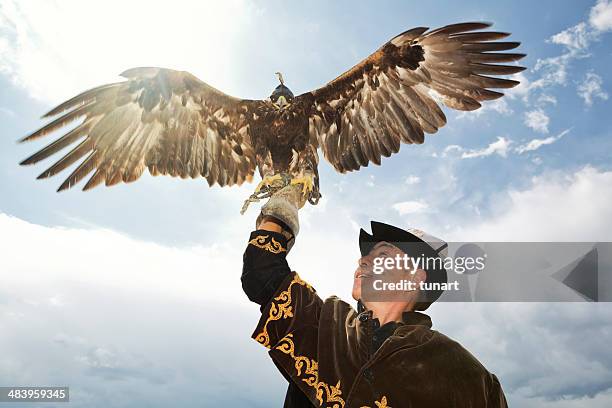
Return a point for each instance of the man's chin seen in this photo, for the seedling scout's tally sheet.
(356, 293)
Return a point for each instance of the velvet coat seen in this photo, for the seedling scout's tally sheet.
(325, 348)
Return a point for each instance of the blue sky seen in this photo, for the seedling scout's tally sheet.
(135, 288)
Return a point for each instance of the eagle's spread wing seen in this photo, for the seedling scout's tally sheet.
(166, 120)
(386, 99)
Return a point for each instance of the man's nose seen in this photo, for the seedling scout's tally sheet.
(364, 261)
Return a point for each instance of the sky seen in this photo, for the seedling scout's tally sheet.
(131, 294)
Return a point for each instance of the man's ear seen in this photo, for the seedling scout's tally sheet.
(420, 276)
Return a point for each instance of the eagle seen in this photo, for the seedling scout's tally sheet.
(172, 123)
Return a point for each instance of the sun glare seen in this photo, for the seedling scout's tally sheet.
(56, 49)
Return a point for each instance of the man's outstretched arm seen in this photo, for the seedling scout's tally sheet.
(290, 307)
(264, 261)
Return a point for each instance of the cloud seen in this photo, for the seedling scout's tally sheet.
(500, 147)
(537, 120)
(590, 88)
(410, 207)
(544, 99)
(109, 314)
(137, 265)
(52, 64)
(535, 144)
(572, 370)
(601, 16)
(371, 181)
(553, 71)
(574, 38)
(412, 179)
(128, 300)
(558, 206)
(522, 89)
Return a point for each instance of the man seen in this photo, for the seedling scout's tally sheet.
(382, 355)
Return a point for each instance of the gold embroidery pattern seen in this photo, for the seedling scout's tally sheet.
(273, 246)
(380, 404)
(310, 368)
(282, 309)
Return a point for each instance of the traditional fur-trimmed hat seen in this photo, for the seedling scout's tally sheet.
(413, 242)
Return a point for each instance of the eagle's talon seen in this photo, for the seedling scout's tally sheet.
(268, 181)
(306, 182)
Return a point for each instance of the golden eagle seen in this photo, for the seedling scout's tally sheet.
(172, 123)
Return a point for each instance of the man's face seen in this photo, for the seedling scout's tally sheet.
(365, 267)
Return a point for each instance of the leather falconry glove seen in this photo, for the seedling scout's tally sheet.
(284, 206)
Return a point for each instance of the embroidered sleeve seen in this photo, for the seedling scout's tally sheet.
(289, 328)
(293, 306)
(264, 265)
(290, 312)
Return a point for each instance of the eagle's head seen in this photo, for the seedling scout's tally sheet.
(281, 97)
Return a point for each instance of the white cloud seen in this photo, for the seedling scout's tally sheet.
(371, 180)
(557, 207)
(109, 314)
(535, 144)
(522, 89)
(572, 369)
(96, 42)
(601, 16)
(553, 71)
(591, 87)
(500, 147)
(410, 207)
(537, 120)
(139, 266)
(545, 98)
(102, 276)
(412, 179)
(575, 38)
(449, 149)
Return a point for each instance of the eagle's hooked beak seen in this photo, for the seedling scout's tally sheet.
(281, 102)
